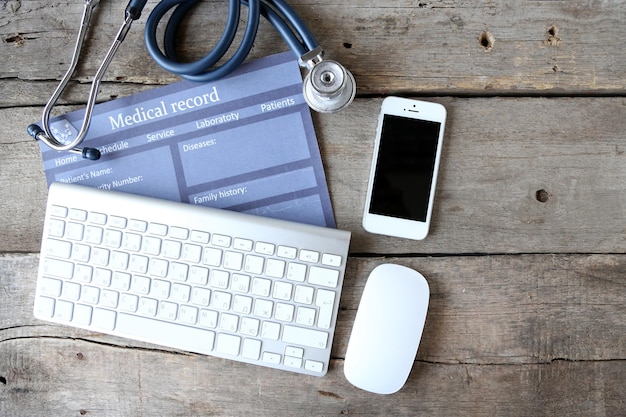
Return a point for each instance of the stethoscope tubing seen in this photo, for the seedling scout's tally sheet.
(283, 18)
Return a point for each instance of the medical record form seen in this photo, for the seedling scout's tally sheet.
(245, 143)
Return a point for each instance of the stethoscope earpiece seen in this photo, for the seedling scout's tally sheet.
(327, 88)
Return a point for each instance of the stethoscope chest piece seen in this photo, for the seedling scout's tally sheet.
(329, 86)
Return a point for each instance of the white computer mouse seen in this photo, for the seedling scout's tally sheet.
(387, 329)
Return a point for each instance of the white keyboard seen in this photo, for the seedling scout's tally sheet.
(215, 282)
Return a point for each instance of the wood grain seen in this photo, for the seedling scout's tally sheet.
(434, 47)
(526, 259)
(539, 333)
(498, 154)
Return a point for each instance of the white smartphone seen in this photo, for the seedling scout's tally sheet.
(404, 169)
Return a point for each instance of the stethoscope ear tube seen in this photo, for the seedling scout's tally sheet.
(328, 87)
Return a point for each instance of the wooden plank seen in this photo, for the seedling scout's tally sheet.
(517, 176)
(435, 47)
(540, 333)
(80, 378)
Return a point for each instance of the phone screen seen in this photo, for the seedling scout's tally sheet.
(405, 167)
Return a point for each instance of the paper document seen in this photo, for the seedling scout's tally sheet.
(245, 142)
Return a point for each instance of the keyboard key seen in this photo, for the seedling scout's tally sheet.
(83, 273)
(63, 310)
(208, 318)
(305, 337)
(228, 344)
(294, 352)
(179, 233)
(331, 260)
(80, 252)
(178, 271)
(131, 242)
(198, 275)
(56, 227)
(78, 214)
(82, 314)
(140, 285)
(191, 253)
(158, 267)
(313, 366)
(102, 277)
(129, 302)
(233, 260)
(263, 308)
(284, 312)
(323, 276)
(160, 289)
(303, 295)
(97, 218)
(270, 330)
(120, 223)
(90, 295)
(309, 256)
(282, 291)
(296, 272)
(221, 300)
(58, 248)
(229, 322)
(275, 268)
(157, 229)
(249, 326)
(254, 264)
(219, 279)
(103, 319)
(57, 268)
(287, 252)
(270, 357)
(93, 235)
(45, 307)
(180, 337)
(242, 244)
(119, 260)
(242, 304)
(305, 316)
(264, 248)
(71, 291)
(151, 245)
(261, 286)
(240, 283)
(58, 211)
(212, 257)
(137, 225)
(112, 238)
(325, 300)
(199, 237)
(292, 362)
(147, 307)
(168, 310)
(120, 281)
(49, 286)
(171, 249)
(180, 293)
(221, 241)
(109, 299)
(201, 296)
(251, 349)
(188, 314)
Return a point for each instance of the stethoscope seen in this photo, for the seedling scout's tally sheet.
(328, 86)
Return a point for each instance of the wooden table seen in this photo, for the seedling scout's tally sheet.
(526, 258)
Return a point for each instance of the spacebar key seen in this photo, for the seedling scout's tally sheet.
(176, 336)
(305, 337)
